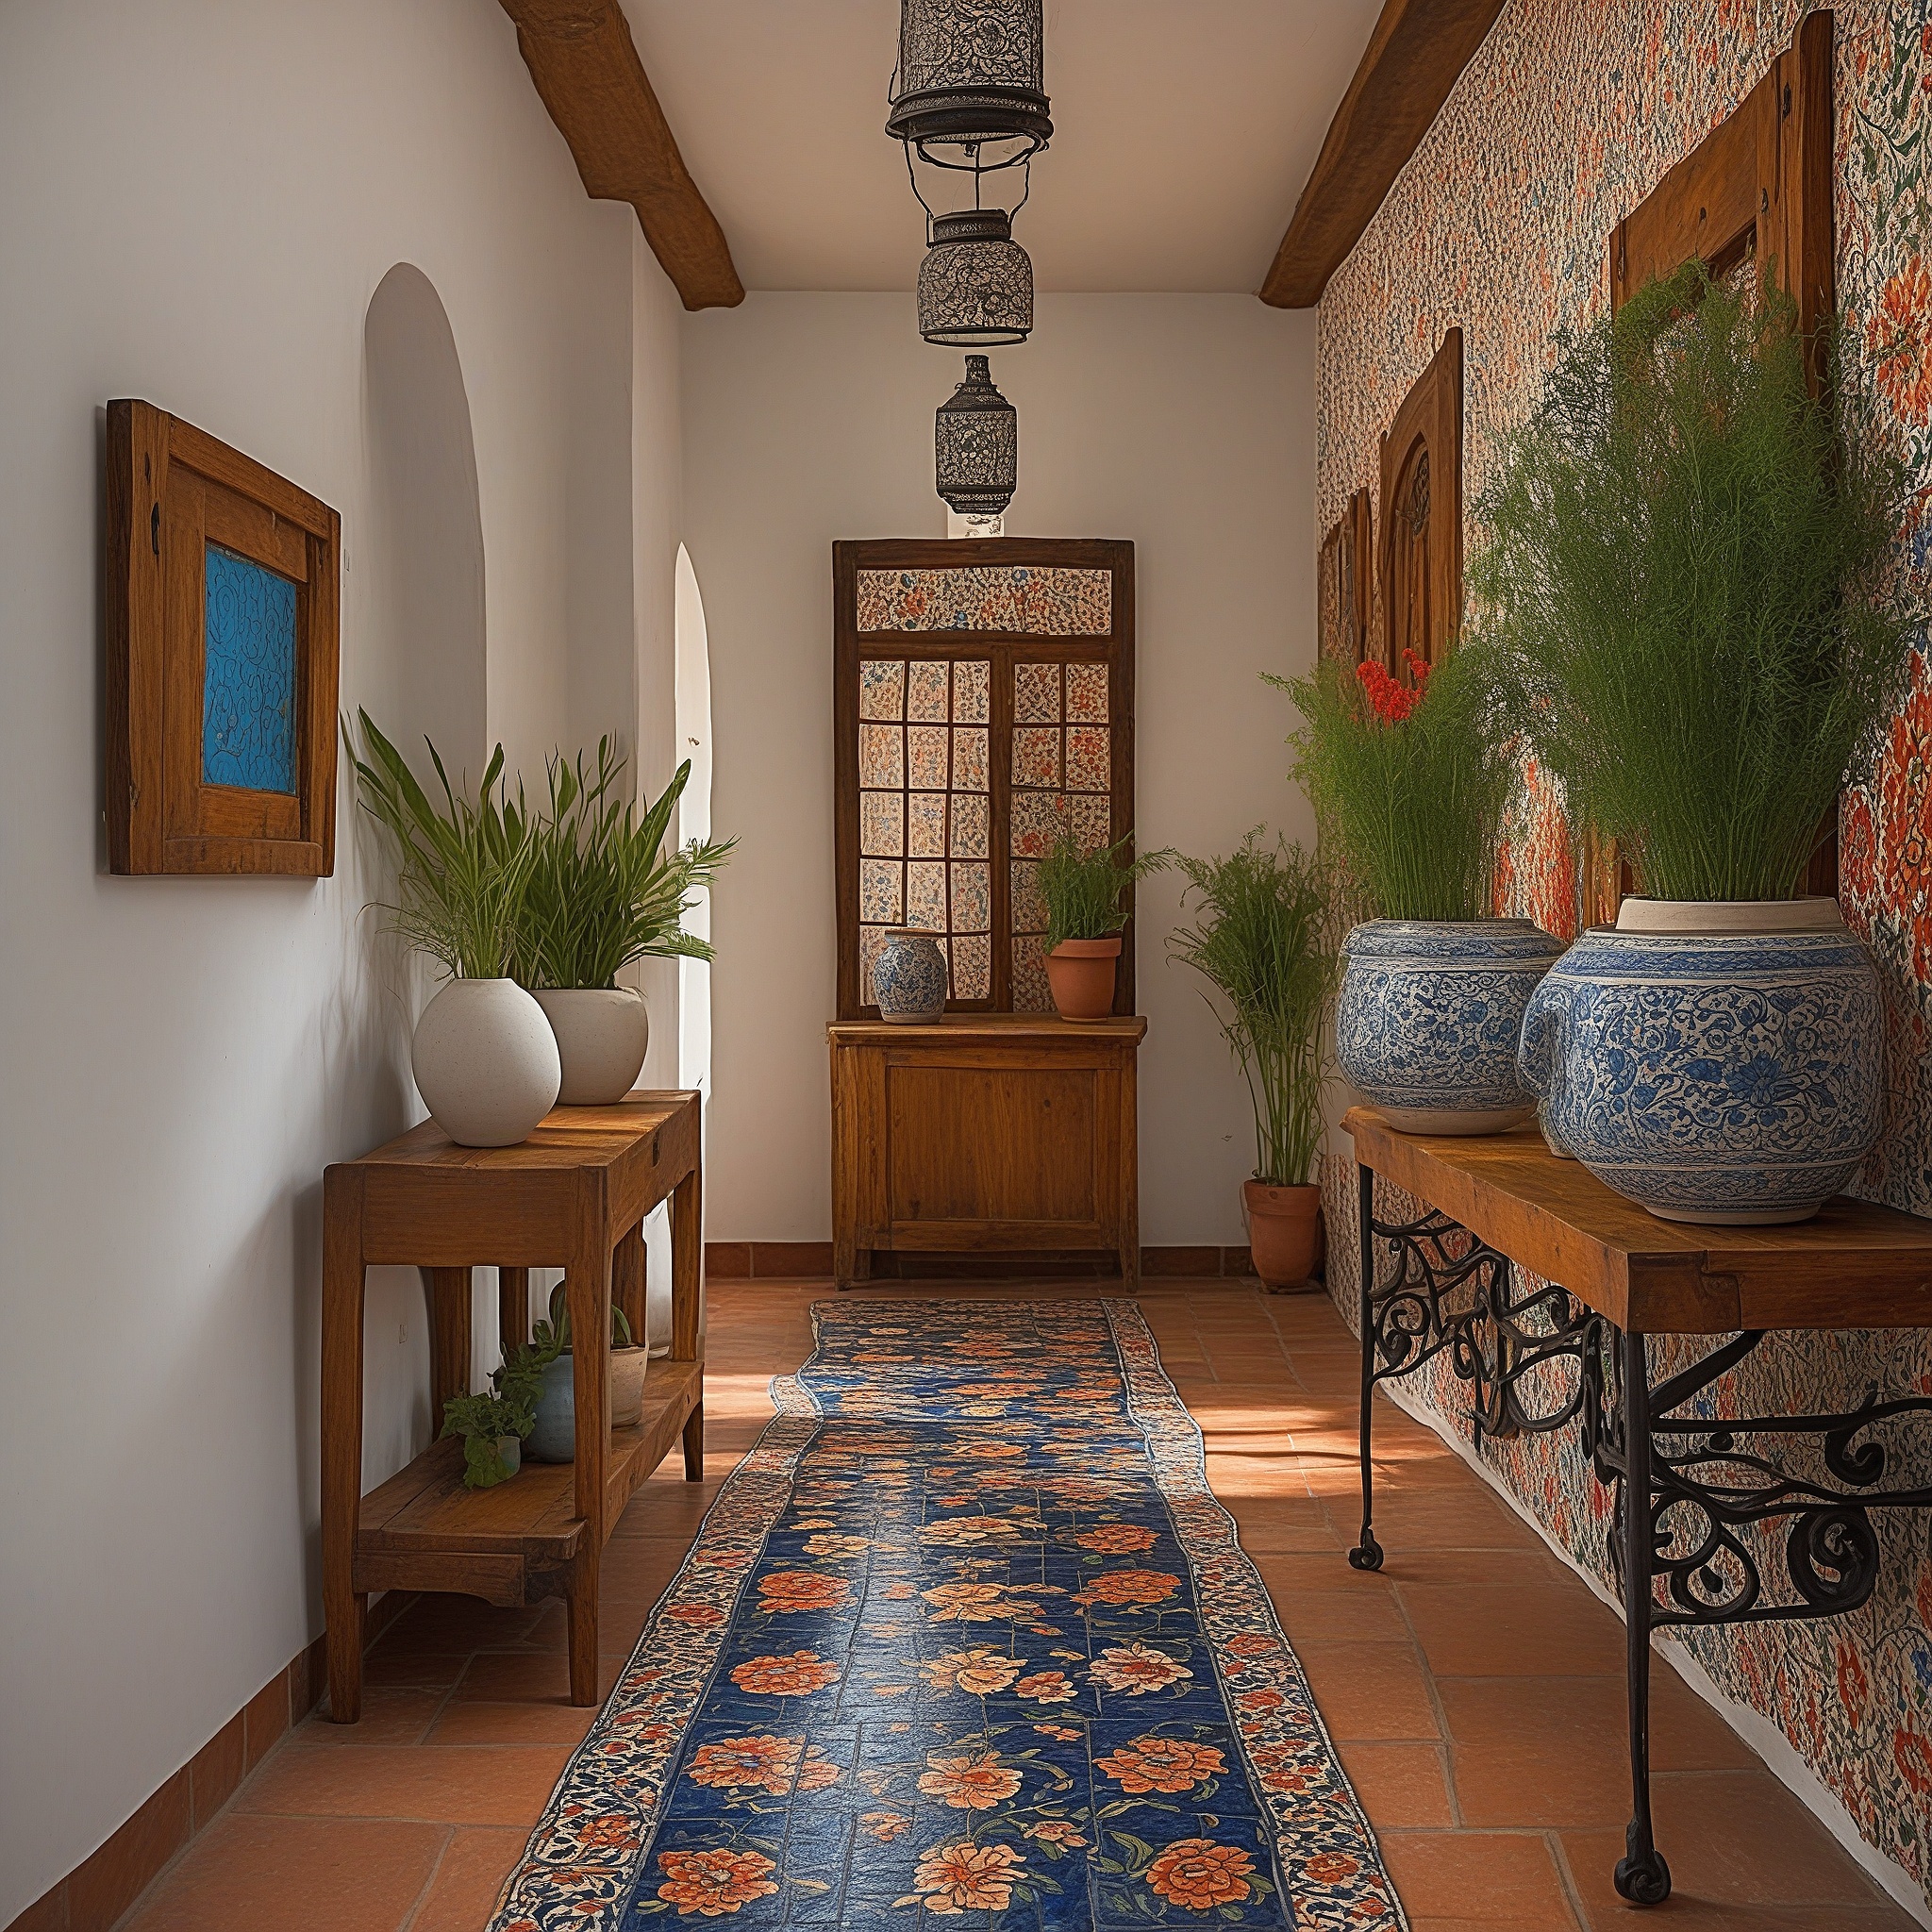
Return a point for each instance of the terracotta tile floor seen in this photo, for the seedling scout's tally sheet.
(1474, 1688)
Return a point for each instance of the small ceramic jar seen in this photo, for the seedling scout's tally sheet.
(909, 979)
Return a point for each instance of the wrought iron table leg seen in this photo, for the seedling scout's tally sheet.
(1642, 1875)
(1367, 1555)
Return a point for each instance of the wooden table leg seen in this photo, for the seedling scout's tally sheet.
(342, 1278)
(628, 1277)
(586, 1290)
(449, 1336)
(686, 1278)
(512, 1309)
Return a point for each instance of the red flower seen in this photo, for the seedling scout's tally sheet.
(1393, 700)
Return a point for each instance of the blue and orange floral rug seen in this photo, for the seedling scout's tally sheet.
(965, 1634)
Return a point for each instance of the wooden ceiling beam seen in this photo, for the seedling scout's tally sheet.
(1415, 56)
(586, 66)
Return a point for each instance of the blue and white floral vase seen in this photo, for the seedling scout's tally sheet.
(908, 980)
(1429, 1016)
(1714, 1062)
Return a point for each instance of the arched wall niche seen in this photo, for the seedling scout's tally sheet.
(421, 673)
(424, 545)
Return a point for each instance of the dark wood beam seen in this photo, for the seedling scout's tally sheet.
(586, 66)
(1415, 56)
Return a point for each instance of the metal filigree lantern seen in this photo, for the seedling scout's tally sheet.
(975, 285)
(976, 446)
(971, 91)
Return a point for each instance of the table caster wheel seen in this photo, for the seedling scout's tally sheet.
(1369, 1555)
(1644, 1880)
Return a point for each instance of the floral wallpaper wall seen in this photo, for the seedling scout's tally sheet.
(1565, 120)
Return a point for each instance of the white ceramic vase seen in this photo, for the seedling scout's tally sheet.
(485, 1062)
(602, 1034)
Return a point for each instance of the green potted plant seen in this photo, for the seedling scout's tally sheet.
(1409, 781)
(1694, 580)
(1085, 893)
(546, 1362)
(484, 1056)
(599, 893)
(1265, 940)
(492, 1427)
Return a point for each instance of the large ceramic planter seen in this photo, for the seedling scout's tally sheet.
(602, 1035)
(1719, 1063)
(1427, 1021)
(909, 981)
(1081, 974)
(485, 1062)
(1284, 1234)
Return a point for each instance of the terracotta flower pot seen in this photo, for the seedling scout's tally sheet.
(1081, 973)
(1284, 1234)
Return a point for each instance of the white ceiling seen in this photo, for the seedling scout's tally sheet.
(1183, 132)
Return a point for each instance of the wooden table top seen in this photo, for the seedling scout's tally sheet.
(421, 1198)
(961, 1029)
(567, 1137)
(1854, 1265)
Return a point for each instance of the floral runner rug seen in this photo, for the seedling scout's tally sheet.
(965, 1634)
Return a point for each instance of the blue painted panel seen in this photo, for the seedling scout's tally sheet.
(248, 691)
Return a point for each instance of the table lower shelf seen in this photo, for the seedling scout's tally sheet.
(511, 1544)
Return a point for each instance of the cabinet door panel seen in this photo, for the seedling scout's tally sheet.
(981, 1143)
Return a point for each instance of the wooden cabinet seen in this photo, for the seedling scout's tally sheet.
(984, 1134)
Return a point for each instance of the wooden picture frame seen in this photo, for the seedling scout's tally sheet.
(915, 562)
(1344, 579)
(221, 747)
(1756, 192)
(1420, 514)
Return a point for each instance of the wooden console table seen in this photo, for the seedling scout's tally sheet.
(574, 1194)
(985, 1133)
(1700, 1551)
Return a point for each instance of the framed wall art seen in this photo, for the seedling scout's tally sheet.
(222, 634)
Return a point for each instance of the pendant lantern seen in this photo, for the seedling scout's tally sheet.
(976, 446)
(975, 285)
(971, 89)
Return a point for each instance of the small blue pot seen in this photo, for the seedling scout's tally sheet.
(555, 1438)
(909, 981)
(1731, 1078)
(1428, 1019)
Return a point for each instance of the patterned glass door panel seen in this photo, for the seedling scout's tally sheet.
(1062, 778)
(924, 812)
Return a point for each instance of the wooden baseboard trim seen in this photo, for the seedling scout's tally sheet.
(103, 1886)
(812, 1261)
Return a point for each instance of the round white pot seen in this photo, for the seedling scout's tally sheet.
(485, 1062)
(627, 1370)
(601, 1038)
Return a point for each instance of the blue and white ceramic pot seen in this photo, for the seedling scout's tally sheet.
(1720, 1063)
(1427, 1021)
(909, 979)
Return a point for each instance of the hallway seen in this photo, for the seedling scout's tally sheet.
(1474, 1688)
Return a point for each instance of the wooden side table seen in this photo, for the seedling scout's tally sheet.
(985, 1133)
(1721, 1517)
(574, 1194)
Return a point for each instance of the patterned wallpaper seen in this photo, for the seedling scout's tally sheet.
(1566, 117)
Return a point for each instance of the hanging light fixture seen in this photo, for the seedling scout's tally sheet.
(976, 446)
(975, 285)
(970, 89)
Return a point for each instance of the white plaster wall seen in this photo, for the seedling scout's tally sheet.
(1185, 422)
(197, 200)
